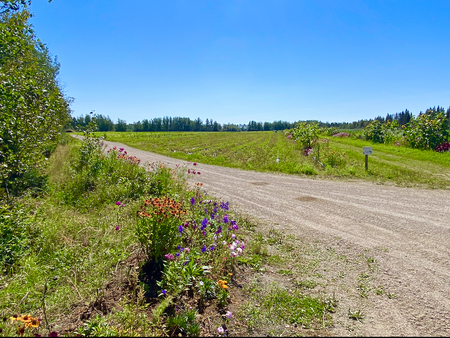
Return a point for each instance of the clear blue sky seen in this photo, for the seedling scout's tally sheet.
(235, 61)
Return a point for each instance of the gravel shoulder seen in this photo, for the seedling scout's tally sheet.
(405, 232)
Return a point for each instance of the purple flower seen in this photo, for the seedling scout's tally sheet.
(219, 230)
(224, 206)
(163, 292)
(198, 172)
(215, 210)
(180, 229)
(225, 219)
(204, 222)
(192, 200)
(181, 249)
(204, 233)
(203, 249)
(195, 163)
(189, 171)
(234, 225)
(169, 256)
(212, 248)
(53, 334)
(212, 216)
(206, 211)
(117, 228)
(177, 254)
(120, 150)
(220, 329)
(118, 203)
(229, 314)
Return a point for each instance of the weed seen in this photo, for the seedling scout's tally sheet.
(355, 315)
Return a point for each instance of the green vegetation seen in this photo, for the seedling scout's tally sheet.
(32, 107)
(338, 157)
(86, 250)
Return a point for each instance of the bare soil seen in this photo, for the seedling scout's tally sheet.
(386, 238)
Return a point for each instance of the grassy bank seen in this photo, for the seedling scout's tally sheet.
(80, 259)
(340, 158)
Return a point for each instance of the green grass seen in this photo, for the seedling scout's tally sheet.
(259, 151)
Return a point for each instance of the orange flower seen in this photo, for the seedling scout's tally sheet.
(223, 284)
(34, 323)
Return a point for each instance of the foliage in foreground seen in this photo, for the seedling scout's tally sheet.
(33, 108)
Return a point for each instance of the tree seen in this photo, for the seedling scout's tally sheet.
(32, 107)
(121, 125)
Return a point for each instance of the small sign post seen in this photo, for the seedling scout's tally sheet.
(367, 151)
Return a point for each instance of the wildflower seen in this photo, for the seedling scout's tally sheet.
(224, 242)
(220, 329)
(189, 171)
(34, 323)
(180, 229)
(192, 200)
(201, 283)
(187, 250)
(229, 314)
(36, 335)
(223, 284)
(53, 334)
(219, 230)
(239, 250)
(204, 233)
(233, 236)
(212, 248)
(20, 330)
(225, 219)
(204, 222)
(163, 292)
(215, 210)
(169, 256)
(181, 249)
(230, 274)
(233, 254)
(120, 150)
(195, 163)
(177, 254)
(203, 249)
(114, 148)
(198, 172)
(224, 206)
(117, 228)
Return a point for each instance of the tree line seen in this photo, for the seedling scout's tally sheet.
(104, 123)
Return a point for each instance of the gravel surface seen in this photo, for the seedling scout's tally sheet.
(406, 230)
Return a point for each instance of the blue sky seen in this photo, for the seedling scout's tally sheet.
(234, 61)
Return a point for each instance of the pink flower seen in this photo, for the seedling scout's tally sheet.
(195, 163)
(117, 228)
(198, 172)
(220, 329)
(187, 250)
(229, 314)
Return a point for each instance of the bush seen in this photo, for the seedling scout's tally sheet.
(306, 134)
(426, 132)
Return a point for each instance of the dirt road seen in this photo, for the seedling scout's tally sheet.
(405, 230)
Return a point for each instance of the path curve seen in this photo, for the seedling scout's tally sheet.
(411, 225)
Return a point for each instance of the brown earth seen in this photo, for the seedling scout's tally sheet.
(402, 234)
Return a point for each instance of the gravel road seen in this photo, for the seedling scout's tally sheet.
(406, 230)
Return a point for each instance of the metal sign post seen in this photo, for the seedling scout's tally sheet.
(367, 151)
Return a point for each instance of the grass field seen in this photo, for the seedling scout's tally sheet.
(260, 150)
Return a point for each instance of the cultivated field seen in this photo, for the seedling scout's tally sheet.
(259, 151)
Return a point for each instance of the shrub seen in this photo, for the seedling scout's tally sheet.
(306, 134)
(426, 132)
